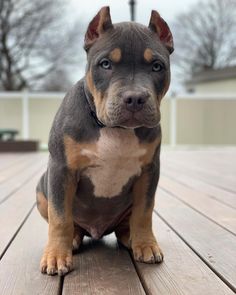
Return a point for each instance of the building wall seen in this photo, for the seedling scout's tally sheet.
(165, 120)
(206, 121)
(10, 114)
(199, 121)
(41, 115)
(223, 86)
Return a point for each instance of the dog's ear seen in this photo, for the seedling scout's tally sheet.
(159, 26)
(100, 23)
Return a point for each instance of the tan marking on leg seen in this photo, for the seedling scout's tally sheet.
(42, 205)
(150, 151)
(115, 55)
(75, 158)
(148, 55)
(57, 257)
(143, 242)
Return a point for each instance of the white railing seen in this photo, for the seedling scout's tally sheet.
(25, 96)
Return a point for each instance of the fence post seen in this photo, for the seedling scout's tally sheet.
(173, 121)
(25, 114)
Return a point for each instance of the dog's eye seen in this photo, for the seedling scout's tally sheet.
(105, 64)
(156, 66)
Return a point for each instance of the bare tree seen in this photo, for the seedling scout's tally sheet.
(34, 42)
(205, 36)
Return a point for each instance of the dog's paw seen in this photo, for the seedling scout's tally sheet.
(56, 261)
(147, 252)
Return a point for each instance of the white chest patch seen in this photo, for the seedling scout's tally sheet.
(117, 158)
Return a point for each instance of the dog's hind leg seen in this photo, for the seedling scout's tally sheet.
(79, 233)
(122, 232)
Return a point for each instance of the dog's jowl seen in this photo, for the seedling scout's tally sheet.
(105, 141)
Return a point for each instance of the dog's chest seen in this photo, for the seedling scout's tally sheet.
(116, 159)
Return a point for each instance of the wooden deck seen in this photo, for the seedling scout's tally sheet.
(194, 220)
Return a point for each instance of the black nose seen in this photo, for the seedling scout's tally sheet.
(134, 101)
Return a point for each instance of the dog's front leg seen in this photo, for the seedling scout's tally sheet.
(57, 257)
(143, 242)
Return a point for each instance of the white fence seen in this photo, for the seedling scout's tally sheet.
(202, 112)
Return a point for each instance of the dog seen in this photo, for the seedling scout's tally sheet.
(104, 143)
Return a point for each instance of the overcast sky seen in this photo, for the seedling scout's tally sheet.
(85, 10)
(120, 9)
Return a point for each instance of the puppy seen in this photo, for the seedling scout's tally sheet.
(105, 141)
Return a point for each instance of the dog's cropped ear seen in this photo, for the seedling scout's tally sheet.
(100, 23)
(159, 26)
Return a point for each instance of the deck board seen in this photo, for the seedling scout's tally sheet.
(21, 174)
(225, 197)
(194, 220)
(202, 169)
(211, 208)
(19, 267)
(213, 243)
(103, 268)
(9, 159)
(182, 272)
(15, 209)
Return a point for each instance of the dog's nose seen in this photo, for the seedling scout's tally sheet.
(134, 101)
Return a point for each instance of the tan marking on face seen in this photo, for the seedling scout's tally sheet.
(42, 205)
(115, 55)
(99, 99)
(148, 55)
(165, 89)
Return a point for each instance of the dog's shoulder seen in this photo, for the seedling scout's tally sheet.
(73, 120)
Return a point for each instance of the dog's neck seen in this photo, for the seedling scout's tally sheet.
(90, 101)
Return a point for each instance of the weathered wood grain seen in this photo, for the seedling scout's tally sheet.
(19, 178)
(9, 159)
(103, 268)
(15, 209)
(182, 271)
(19, 267)
(223, 196)
(214, 244)
(218, 212)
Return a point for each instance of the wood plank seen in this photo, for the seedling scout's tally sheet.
(224, 158)
(215, 245)
(14, 183)
(204, 171)
(216, 211)
(8, 159)
(103, 268)
(18, 167)
(225, 197)
(19, 267)
(182, 271)
(15, 209)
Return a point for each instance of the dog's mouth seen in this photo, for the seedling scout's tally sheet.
(134, 120)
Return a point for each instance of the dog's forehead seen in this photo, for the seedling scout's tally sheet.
(130, 41)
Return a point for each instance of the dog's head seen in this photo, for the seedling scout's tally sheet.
(128, 70)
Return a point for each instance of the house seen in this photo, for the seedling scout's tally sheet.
(213, 81)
